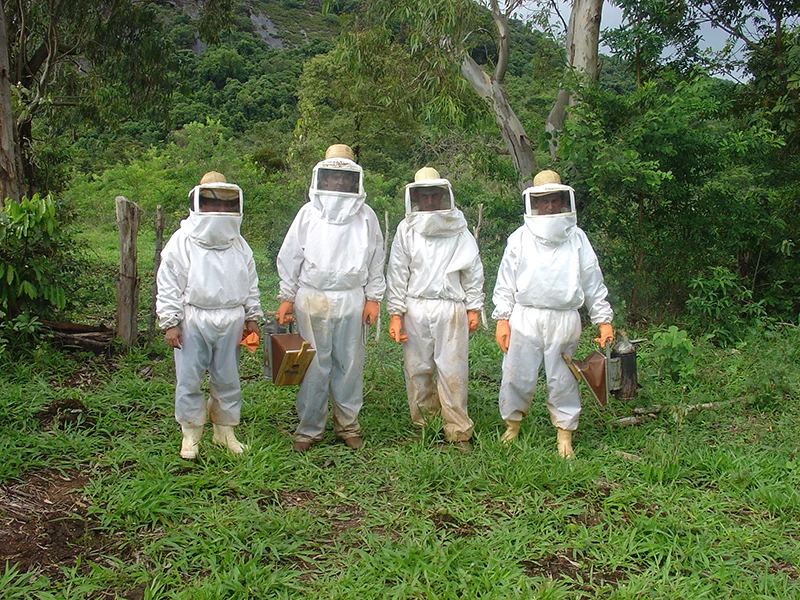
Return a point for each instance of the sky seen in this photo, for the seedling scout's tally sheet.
(612, 17)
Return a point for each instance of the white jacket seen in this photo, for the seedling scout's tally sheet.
(434, 257)
(205, 277)
(539, 274)
(340, 254)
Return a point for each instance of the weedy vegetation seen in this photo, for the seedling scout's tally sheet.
(692, 502)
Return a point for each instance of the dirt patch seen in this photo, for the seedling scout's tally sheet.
(65, 411)
(44, 524)
(296, 498)
(583, 574)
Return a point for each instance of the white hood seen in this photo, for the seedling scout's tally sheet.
(551, 229)
(434, 223)
(216, 230)
(337, 207)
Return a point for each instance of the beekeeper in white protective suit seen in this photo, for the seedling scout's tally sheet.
(434, 296)
(207, 299)
(331, 270)
(548, 271)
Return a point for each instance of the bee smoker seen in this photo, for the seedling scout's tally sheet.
(614, 371)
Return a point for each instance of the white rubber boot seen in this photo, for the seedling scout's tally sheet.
(223, 435)
(190, 442)
(512, 431)
(565, 443)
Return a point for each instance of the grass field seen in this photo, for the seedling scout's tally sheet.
(688, 504)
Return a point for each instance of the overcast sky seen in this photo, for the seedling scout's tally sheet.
(612, 16)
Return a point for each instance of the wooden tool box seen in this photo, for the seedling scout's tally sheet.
(286, 356)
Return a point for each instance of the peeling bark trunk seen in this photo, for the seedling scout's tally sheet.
(9, 184)
(583, 37)
(514, 135)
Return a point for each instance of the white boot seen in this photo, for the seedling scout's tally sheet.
(565, 443)
(223, 435)
(191, 439)
(512, 431)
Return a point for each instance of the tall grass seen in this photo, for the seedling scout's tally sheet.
(690, 504)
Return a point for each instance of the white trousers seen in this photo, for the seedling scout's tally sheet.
(436, 364)
(331, 321)
(210, 343)
(541, 335)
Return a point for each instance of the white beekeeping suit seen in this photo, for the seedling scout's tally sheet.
(331, 269)
(548, 271)
(434, 295)
(208, 290)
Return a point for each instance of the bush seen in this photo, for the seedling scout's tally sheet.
(720, 305)
(37, 258)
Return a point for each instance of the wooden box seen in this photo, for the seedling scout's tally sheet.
(291, 355)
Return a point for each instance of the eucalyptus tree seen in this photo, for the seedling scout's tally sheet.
(99, 59)
(438, 37)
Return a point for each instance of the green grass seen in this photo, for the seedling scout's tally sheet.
(707, 506)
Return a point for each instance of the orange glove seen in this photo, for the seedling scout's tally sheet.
(250, 341)
(502, 335)
(472, 320)
(284, 314)
(396, 329)
(606, 333)
(371, 310)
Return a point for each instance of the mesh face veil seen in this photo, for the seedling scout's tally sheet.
(216, 198)
(429, 196)
(344, 181)
(549, 199)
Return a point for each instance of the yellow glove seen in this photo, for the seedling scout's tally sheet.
(472, 320)
(396, 329)
(606, 333)
(371, 310)
(502, 335)
(284, 314)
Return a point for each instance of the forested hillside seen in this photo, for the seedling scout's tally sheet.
(686, 167)
(686, 182)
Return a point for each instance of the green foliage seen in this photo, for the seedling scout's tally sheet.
(38, 258)
(720, 305)
(657, 218)
(674, 353)
(692, 503)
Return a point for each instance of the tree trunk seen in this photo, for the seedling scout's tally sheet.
(9, 184)
(517, 141)
(583, 38)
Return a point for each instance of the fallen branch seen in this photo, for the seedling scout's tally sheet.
(643, 414)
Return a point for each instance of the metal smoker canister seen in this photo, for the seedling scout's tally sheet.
(625, 352)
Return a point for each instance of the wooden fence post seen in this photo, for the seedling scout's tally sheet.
(128, 282)
(476, 231)
(159, 224)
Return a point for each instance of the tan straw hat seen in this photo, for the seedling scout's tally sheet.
(340, 151)
(545, 177)
(426, 173)
(223, 194)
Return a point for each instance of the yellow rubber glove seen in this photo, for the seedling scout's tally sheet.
(284, 314)
(502, 335)
(396, 329)
(472, 320)
(371, 310)
(606, 333)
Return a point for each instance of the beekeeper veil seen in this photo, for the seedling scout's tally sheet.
(337, 185)
(550, 208)
(215, 214)
(430, 207)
